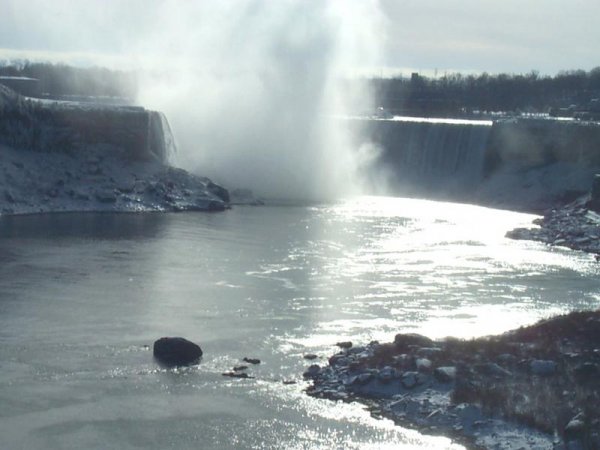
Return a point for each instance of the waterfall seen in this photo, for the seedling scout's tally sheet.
(431, 156)
(161, 142)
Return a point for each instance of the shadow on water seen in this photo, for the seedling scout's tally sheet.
(96, 226)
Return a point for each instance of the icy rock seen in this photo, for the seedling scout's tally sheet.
(219, 191)
(411, 380)
(423, 364)
(364, 378)
(576, 426)
(542, 368)
(236, 374)
(387, 374)
(428, 352)
(176, 351)
(507, 358)
(492, 369)
(445, 374)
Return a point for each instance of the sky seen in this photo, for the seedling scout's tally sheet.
(514, 36)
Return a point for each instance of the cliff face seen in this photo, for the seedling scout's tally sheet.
(67, 127)
(66, 156)
(533, 143)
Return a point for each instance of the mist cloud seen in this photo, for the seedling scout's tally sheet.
(247, 85)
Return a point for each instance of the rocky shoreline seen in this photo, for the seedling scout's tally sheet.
(100, 181)
(575, 226)
(534, 387)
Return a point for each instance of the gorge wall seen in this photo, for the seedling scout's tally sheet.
(523, 164)
(55, 126)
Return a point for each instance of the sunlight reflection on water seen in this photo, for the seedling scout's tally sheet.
(82, 302)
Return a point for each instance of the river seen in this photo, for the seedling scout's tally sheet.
(83, 297)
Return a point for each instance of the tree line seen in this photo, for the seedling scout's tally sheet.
(65, 80)
(456, 94)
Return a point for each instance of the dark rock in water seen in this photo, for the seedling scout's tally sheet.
(344, 344)
(251, 360)
(404, 341)
(310, 356)
(176, 351)
(236, 375)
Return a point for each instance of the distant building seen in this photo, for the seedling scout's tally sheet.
(29, 87)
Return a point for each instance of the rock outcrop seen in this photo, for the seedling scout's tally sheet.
(575, 226)
(522, 389)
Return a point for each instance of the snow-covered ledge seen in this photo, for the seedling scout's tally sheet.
(67, 157)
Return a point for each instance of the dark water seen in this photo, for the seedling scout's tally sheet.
(82, 298)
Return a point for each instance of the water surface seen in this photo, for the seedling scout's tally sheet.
(82, 298)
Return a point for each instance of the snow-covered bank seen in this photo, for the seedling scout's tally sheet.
(68, 157)
(34, 182)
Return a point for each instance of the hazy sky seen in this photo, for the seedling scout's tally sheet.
(448, 35)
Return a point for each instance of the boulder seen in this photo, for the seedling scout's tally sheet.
(344, 344)
(386, 374)
(411, 380)
(423, 364)
(176, 351)
(404, 341)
